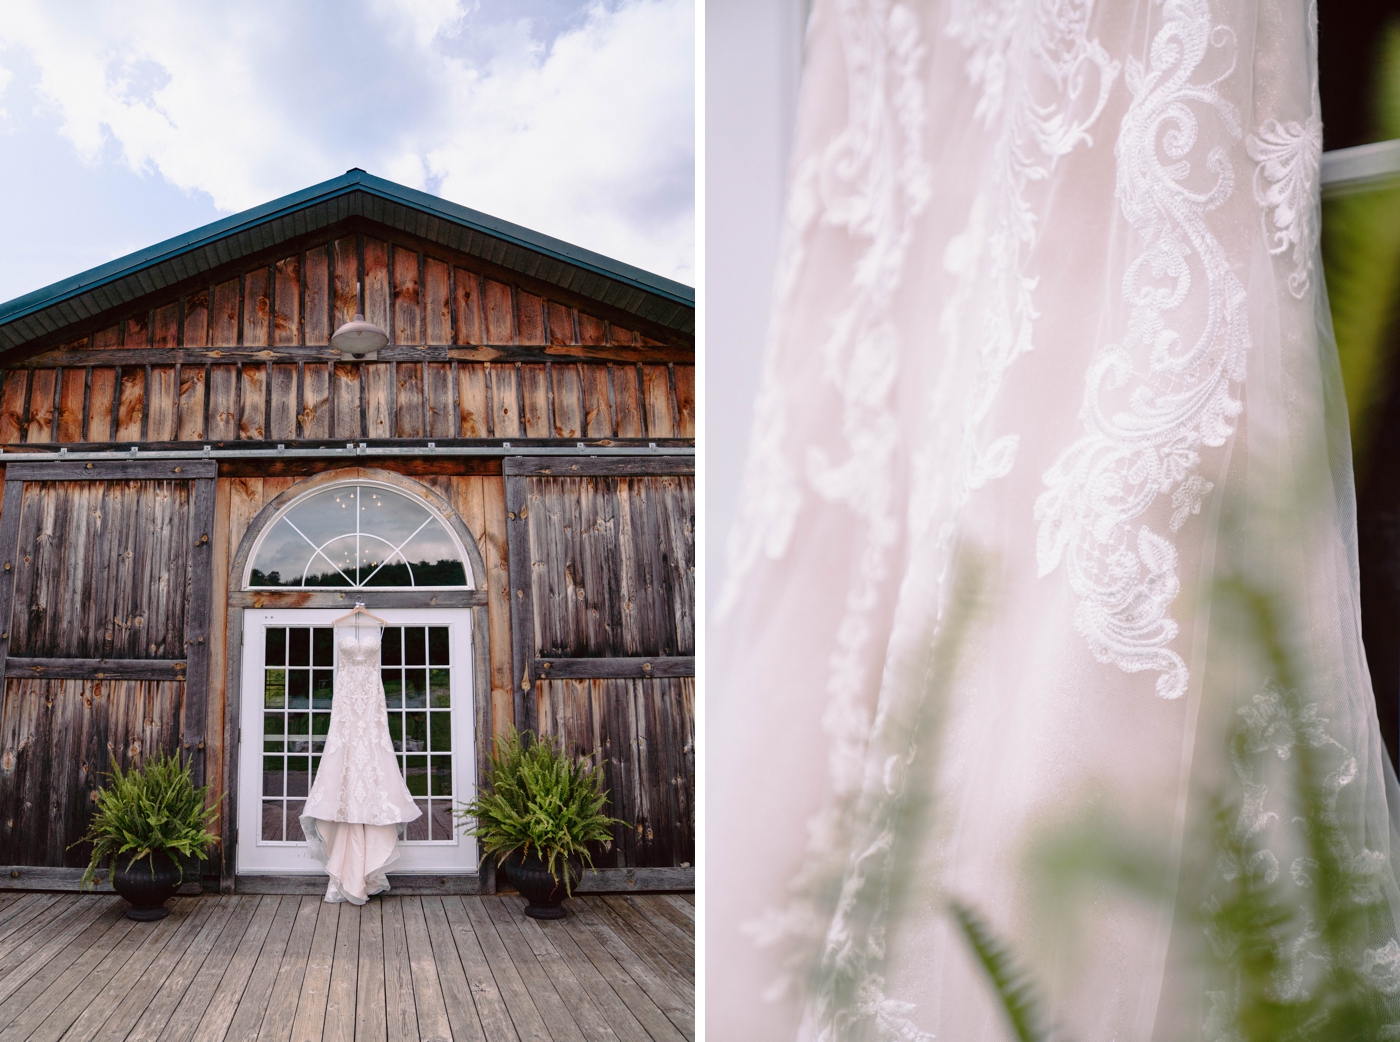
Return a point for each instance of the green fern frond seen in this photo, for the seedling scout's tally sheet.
(1010, 984)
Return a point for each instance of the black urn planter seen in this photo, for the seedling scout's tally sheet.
(544, 893)
(146, 884)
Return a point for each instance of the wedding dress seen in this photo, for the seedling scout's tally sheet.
(359, 797)
(1039, 631)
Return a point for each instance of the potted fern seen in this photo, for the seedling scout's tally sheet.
(146, 816)
(538, 816)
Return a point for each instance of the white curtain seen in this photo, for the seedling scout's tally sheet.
(1043, 599)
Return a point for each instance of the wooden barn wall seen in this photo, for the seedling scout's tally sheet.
(246, 359)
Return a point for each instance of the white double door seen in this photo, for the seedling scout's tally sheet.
(289, 662)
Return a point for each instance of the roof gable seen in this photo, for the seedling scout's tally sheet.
(46, 314)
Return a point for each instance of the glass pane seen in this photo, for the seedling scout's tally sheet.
(276, 647)
(442, 732)
(417, 829)
(439, 688)
(415, 688)
(275, 689)
(272, 776)
(280, 558)
(298, 776)
(322, 647)
(335, 564)
(442, 824)
(320, 723)
(315, 766)
(294, 832)
(299, 689)
(391, 646)
(434, 558)
(393, 687)
(415, 732)
(416, 776)
(415, 651)
(442, 776)
(322, 687)
(273, 723)
(273, 745)
(272, 820)
(389, 515)
(300, 651)
(396, 731)
(437, 646)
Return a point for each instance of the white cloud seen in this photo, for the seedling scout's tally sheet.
(588, 137)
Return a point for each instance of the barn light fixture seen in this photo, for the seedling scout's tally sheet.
(358, 339)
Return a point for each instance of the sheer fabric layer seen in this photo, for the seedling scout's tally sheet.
(1052, 414)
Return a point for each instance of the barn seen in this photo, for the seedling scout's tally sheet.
(197, 484)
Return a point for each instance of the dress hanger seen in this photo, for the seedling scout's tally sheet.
(358, 610)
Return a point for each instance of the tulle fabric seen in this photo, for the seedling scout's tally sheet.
(1050, 374)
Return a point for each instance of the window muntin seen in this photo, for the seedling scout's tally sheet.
(357, 536)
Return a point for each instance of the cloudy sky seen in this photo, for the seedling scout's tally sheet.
(122, 124)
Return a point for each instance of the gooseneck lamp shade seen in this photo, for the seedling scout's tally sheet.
(358, 338)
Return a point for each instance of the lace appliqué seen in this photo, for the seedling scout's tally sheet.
(1289, 156)
(1152, 401)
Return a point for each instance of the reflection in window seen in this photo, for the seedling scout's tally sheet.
(358, 536)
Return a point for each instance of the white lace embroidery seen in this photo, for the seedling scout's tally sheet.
(1152, 401)
(1289, 156)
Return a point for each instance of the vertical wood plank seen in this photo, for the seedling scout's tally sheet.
(316, 321)
(315, 405)
(107, 339)
(685, 400)
(346, 400)
(286, 322)
(522, 618)
(402, 1017)
(591, 331)
(340, 999)
(377, 291)
(252, 419)
(471, 400)
(316, 984)
(437, 398)
(597, 407)
(437, 302)
(536, 395)
(223, 400)
(347, 277)
(72, 393)
(223, 318)
(464, 1024)
(506, 414)
(197, 319)
(257, 308)
(568, 401)
(198, 635)
(561, 324)
(627, 397)
(497, 559)
(282, 424)
(160, 423)
(101, 394)
(422, 965)
(221, 717)
(39, 427)
(166, 330)
(191, 425)
(621, 337)
(660, 422)
(408, 305)
(130, 406)
(497, 308)
(372, 1024)
(138, 332)
(12, 405)
(529, 311)
(408, 400)
(467, 294)
(379, 402)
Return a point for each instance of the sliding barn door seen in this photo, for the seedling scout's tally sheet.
(602, 572)
(104, 642)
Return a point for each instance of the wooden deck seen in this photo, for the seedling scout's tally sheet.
(295, 969)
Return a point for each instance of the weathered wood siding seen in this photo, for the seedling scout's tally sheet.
(643, 732)
(613, 565)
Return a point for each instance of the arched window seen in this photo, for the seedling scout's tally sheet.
(362, 535)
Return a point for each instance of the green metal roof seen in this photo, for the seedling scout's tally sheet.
(353, 194)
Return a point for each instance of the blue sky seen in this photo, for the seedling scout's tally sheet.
(122, 124)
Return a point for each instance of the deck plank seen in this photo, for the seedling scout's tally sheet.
(23, 997)
(433, 1025)
(249, 1014)
(150, 1026)
(641, 963)
(399, 1009)
(651, 1016)
(461, 1011)
(143, 992)
(371, 1021)
(15, 917)
(316, 985)
(591, 1020)
(345, 971)
(669, 922)
(282, 1005)
(188, 1014)
(558, 1018)
(223, 1004)
(623, 1023)
(31, 953)
(484, 959)
(645, 937)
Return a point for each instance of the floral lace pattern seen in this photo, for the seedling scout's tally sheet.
(1152, 401)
